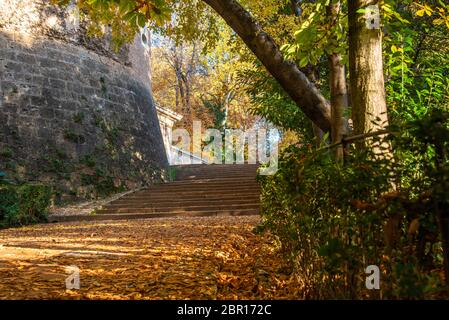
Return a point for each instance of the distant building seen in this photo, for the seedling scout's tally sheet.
(175, 156)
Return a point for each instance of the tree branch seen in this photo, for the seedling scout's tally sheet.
(293, 81)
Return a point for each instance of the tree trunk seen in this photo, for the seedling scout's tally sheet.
(366, 69)
(186, 80)
(287, 73)
(177, 97)
(339, 91)
(181, 90)
(296, 7)
(339, 102)
(319, 136)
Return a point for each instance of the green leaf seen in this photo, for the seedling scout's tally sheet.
(304, 61)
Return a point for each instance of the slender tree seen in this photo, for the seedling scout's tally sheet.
(338, 88)
(369, 108)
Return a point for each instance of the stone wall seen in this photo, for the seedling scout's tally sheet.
(73, 113)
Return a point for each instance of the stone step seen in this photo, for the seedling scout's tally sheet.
(129, 216)
(189, 177)
(176, 209)
(193, 183)
(210, 181)
(198, 190)
(214, 171)
(185, 197)
(193, 192)
(185, 184)
(186, 202)
(228, 167)
(207, 169)
(189, 195)
(229, 173)
(212, 189)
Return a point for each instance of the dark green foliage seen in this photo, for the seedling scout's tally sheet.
(416, 66)
(79, 117)
(7, 153)
(109, 129)
(23, 204)
(8, 202)
(333, 220)
(89, 161)
(112, 135)
(74, 137)
(34, 201)
(172, 173)
(102, 183)
(56, 162)
(219, 112)
(104, 88)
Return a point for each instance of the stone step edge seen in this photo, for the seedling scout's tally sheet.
(130, 216)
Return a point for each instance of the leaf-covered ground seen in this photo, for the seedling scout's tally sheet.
(175, 258)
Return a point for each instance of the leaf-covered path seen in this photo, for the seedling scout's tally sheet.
(170, 258)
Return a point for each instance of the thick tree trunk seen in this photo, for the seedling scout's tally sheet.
(366, 69)
(287, 73)
(339, 91)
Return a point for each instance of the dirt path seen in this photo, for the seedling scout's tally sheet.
(175, 258)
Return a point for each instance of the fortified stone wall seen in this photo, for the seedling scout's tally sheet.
(73, 113)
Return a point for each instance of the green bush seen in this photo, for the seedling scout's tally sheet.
(23, 204)
(102, 183)
(8, 202)
(333, 220)
(34, 201)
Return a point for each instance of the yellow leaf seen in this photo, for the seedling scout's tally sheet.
(421, 12)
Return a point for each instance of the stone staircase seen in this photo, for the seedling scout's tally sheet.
(196, 190)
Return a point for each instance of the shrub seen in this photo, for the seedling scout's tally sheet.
(8, 202)
(23, 204)
(102, 183)
(34, 201)
(332, 220)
